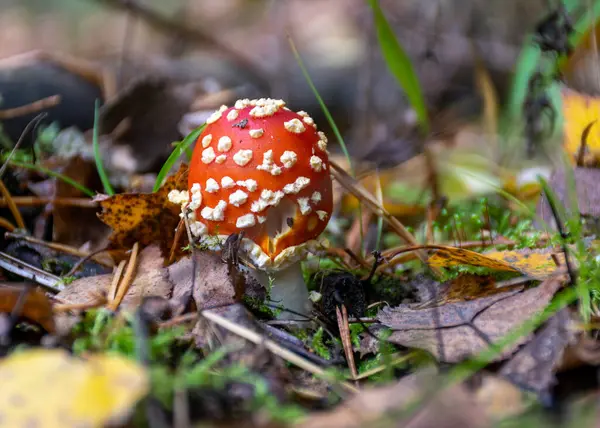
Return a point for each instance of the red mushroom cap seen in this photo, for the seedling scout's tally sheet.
(264, 170)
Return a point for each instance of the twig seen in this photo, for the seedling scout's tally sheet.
(93, 256)
(25, 270)
(11, 206)
(114, 285)
(66, 307)
(127, 279)
(342, 319)
(273, 347)
(6, 224)
(33, 107)
(32, 201)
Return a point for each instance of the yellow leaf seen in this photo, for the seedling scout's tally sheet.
(451, 256)
(535, 263)
(580, 111)
(48, 388)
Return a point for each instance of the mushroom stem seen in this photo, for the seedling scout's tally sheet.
(288, 290)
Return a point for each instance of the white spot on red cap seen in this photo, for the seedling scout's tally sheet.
(206, 140)
(322, 145)
(238, 198)
(322, 215)
(304, 206)
(214, 214)
(256, 133)
(316, 197)
(211, 185)
(242, 157)
(198, 228)
(224, 144)
(288, 158)
(227, 182)
(245, 221)
(316, 163)
(261, 219)
(309, 121)
(294, 126)
(208, 155)
(214, 117)
(179, 197)
(220, 159)
(322, 136)
(296, 186)
(232, 115)
(249, 184)
(268, 164)
(196, 200)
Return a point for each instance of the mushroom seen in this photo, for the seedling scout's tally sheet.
(262, 169)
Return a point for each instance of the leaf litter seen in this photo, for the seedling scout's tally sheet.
(186, 333)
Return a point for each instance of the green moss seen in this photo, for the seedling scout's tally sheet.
(318, 346)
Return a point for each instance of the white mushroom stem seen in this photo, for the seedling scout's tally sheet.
(288, 290)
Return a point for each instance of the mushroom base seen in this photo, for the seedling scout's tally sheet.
(288, 290)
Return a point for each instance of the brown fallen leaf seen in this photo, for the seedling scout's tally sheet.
(533, 367)
(147, 218)
(499, 398)
(151, 280)
(36, 308)
(455, 331)
(383, 407)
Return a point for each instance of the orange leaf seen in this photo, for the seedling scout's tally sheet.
(451, 256)
(37, 307)
(147, 218)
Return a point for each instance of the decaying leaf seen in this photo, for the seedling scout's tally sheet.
(147, 218)
(455, 331)
(36, 308)
(469, 287)
(533, 367)
(384, 407)
(500, 398)
(579, 111)
(532, 262)
(48, 388)
(151, 280)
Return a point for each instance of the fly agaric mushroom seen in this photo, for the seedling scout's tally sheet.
(263, 170)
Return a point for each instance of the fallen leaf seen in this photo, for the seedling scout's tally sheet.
(36, 308)
(147, 218)
(151, 280)
(500, 398)
(469, 287)
(579, 111)
(537, 263)
(455, 331)
(49, 388)
(384, 407)
(451, 256)
(533, 367)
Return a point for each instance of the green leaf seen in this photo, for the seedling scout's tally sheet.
(400, 65)
(180, 148)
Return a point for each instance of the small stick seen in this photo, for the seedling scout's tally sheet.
(25, 270)
(275, 348)
(32, 201)
(342, 319)
(11, 206)
(6, 224)
(178, 232)
(33, 107)
(81, 261)
(127, 279)
(66, 307)
(112, 291)
(31, 125)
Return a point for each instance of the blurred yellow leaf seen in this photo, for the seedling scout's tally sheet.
(580, 111)
(535, 263)
(48, 388)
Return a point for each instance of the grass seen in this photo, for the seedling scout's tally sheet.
(181, 148)
(108, 189)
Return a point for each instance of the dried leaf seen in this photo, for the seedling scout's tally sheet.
(532, 262)
(533, 367)
(48, 388)
(147, 218)
(500, 398)
(469, 287)
(455, 331)
(151, 280)
(451, 256)
(37, 308)
(384, 406)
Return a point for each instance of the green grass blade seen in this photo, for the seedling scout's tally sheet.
(180, 148)
(400, 65)
(326, 112)
(99, 166)
(54, 174)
